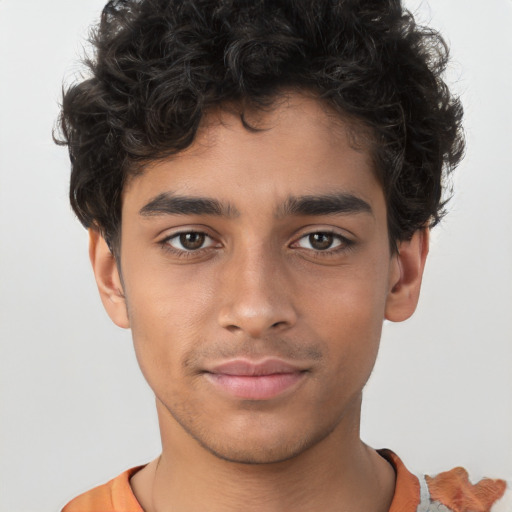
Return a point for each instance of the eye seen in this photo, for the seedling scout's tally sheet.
(189, 241)
(322, 241)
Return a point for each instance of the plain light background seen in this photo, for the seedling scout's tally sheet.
(75, 410)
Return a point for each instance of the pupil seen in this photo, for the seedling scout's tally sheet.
(321, 241)
(192, 241)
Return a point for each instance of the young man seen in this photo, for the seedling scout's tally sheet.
(259, 180)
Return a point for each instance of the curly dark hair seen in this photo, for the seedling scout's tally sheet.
(160, 65)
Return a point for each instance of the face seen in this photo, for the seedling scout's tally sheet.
(256, 274)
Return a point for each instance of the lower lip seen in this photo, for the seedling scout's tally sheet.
(255, 387)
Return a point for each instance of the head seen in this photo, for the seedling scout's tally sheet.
(160, 66)
(259, 178)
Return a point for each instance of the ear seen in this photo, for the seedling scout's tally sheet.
(408, 263)
(108, 279)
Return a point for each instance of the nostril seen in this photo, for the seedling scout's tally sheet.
(255, 314)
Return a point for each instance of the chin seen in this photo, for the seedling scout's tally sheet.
(262, 449)
(255, 455)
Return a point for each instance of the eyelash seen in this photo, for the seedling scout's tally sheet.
(345, 244)
(184, 253)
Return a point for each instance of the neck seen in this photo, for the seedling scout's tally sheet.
(340, 473)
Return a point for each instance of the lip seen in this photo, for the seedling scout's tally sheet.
(255, 380)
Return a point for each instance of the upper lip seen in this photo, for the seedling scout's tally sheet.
(246, 367)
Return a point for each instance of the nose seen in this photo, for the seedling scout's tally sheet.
(255, 295)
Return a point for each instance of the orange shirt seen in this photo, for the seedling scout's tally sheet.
(451, 489)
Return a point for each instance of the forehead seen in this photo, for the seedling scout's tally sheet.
(298, 147)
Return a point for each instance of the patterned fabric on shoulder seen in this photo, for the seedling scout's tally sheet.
(452, 491)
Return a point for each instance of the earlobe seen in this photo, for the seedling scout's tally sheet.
(108, 279)
(406, 276)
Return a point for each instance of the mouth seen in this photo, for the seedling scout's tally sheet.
(255, 380)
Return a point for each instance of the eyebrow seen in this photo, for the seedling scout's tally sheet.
(168, 203)
(329, 204)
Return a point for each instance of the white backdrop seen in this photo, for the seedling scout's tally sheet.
(75, 410)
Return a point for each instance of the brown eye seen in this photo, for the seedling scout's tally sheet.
(322, 241)
(190, 241)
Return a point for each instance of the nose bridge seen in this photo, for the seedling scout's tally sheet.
(255, 295)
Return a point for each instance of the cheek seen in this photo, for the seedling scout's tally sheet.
(348, 312)
(163, 296)
(354, 295)
(168, 313)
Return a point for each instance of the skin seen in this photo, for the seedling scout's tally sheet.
(311, 289)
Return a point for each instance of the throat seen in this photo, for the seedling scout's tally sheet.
(366, 484)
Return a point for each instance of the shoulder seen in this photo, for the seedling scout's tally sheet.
(450, 491)
(455, 491)
(113, 496)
